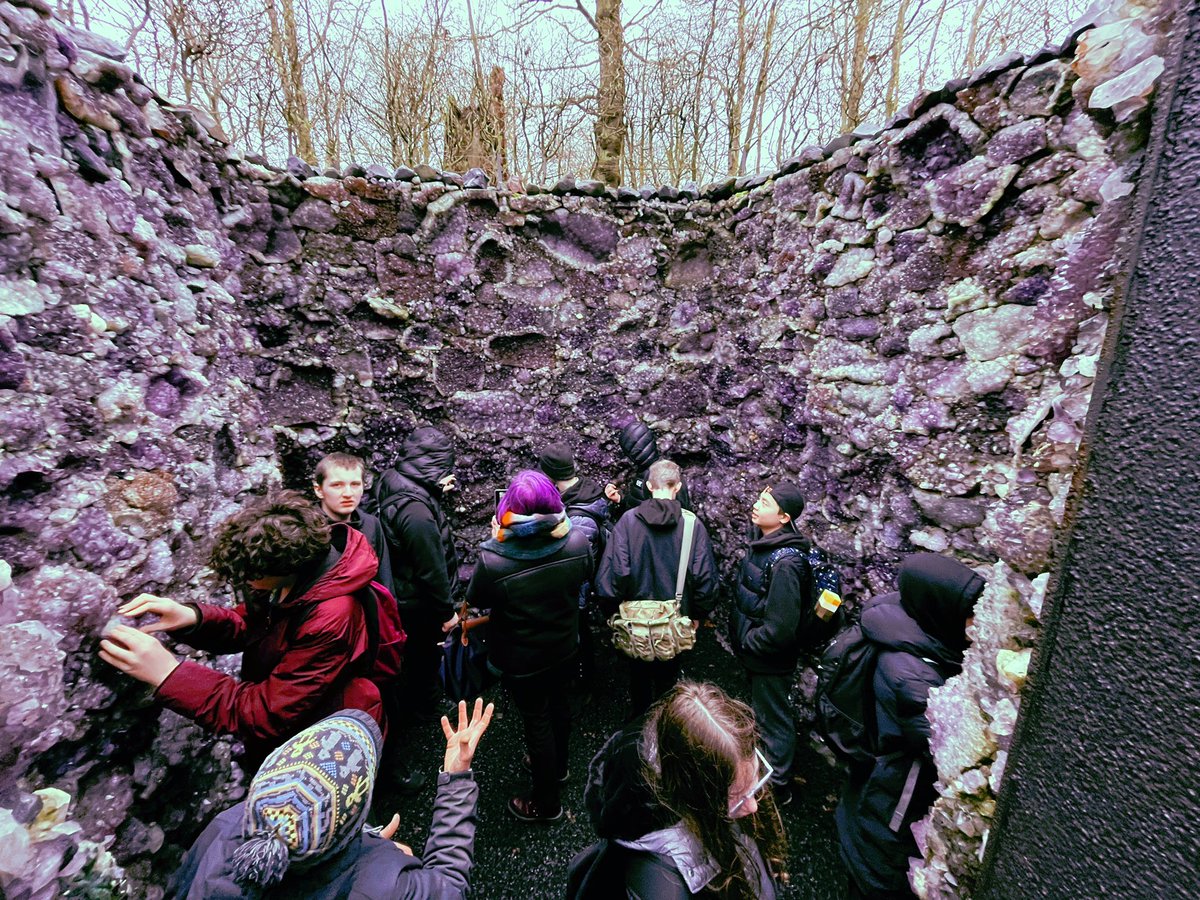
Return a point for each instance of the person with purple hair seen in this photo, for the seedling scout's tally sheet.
(528, 576)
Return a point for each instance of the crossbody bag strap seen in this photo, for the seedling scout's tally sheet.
(685, 554)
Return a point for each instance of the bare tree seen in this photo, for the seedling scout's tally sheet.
(285, 52)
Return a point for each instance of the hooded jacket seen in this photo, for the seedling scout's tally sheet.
(587, 508)
(644, 852)
(531, 585)
(370, 868)
(769, 624)
(423, 559)
(921, 631)
(641, 447)
(303, 658)
(641, 561)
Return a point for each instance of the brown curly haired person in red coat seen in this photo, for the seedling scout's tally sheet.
(301, 629)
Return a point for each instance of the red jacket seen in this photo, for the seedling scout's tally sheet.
(302, 659)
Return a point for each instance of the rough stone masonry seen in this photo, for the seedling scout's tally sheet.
(907, 322)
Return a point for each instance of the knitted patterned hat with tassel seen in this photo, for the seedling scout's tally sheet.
(309, 799)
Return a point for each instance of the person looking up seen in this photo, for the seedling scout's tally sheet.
(528, 576)
(772, 620)
(641, 448)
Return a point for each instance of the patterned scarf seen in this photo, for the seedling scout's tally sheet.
(550, 525)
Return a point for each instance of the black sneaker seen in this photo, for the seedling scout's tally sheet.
(528, 764)
(527, 811)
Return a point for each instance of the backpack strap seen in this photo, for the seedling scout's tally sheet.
(906, 795)
(685, 554)
(774, 559)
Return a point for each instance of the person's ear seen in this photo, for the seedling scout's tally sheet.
(675, 489)
(317, 490)
(784, 518)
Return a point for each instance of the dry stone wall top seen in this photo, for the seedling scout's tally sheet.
(907, 323)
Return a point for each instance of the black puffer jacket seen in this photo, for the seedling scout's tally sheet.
(423, 559)
(531, 585)
(921, 630)
(641, 447)
(641, 561)
(768, 629)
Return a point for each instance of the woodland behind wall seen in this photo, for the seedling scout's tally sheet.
(672, 91)
(908, 324)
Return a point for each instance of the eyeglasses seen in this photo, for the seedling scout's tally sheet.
(767, 772)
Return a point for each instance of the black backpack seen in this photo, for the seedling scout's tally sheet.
(825, 575)
(845, 700)
(814, 631)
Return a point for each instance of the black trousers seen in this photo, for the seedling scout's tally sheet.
(420, 692)
(542, 700)
(776, 722)
(650, 680)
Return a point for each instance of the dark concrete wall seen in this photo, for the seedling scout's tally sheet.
(1102, 797)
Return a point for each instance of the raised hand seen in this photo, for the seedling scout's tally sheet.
(171, 615)
(138, 655)
(461, 742)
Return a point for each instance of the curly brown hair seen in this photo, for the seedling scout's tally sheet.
(702, 734)
(275, 535)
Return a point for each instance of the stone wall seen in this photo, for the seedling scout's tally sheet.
(908, 323)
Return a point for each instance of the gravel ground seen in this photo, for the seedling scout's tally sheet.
(518, 860)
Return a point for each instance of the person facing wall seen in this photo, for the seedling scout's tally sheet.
(588, 510)
(408, 501)
(640, 447)
(528, 576)
(301, 629)
(921, 635)
(641, 562)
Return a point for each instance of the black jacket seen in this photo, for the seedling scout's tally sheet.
(372, 530)
(642, 560)
(423, 559)
(531, 585)
(921, 633)
(768, 629)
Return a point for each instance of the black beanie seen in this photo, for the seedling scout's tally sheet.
(789, 498)
(558, 462)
